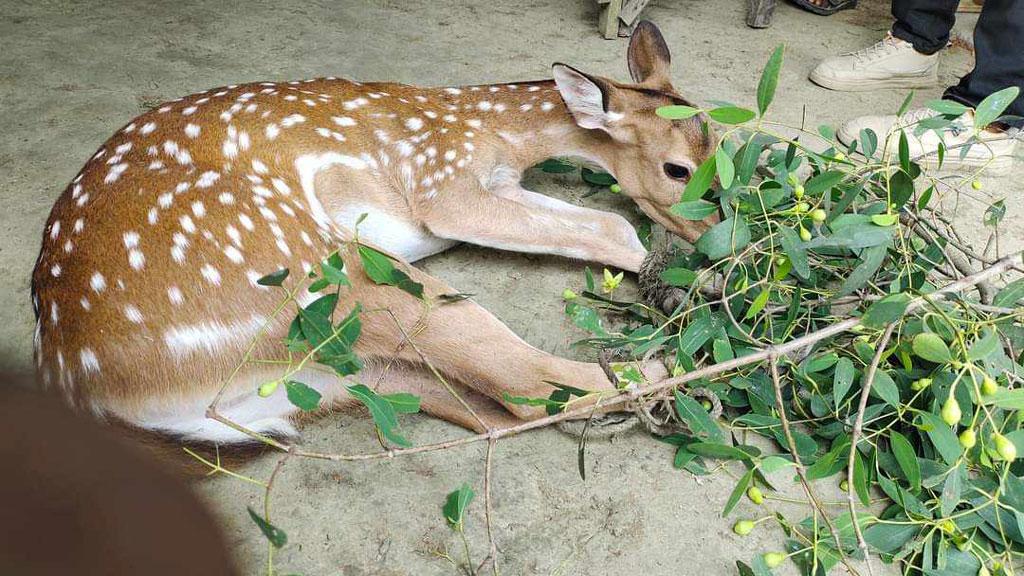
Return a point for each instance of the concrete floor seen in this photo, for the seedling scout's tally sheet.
(71, 72)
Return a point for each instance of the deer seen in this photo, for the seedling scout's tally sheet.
(145, 289)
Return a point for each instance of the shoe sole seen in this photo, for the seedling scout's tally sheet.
(908, 81)
(999, 166)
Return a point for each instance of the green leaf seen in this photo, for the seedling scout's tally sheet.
(382, 412)
(884, 220)
(942, 437)
(274, 278)
(737, 492)
(677, 112)
(984, 347)
(758, 304)
(823, 182)
(403, 402)
(1010, 295)
(585, 318)
(597, 178)
(904, 152)
(773, 464)
(905, 104)
(886, 310)
(1007, 399)
(696, 334)
(694, 209)
(333, 270)
(885, 388)
(678, 276)
(379, 268)
(794, 249)
(868, 142)
(456, 504)
(719, 241)
(731, 115)
(302, 396)
(947, 107)
(871, 261)
(842, 379)
(275, 535)
(901, 188)
(696, 418)
(907, 459)
(952, 488)
(931, 347)
(700, 180)
(889, 537)
(861, 483)
(993, 106)
(717, 450)
(769, 80)
(556, 166)
(746, 160)
(726, 170)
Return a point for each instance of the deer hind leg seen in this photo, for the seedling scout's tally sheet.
(462, 341)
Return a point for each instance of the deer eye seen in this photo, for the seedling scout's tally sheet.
(677, 172)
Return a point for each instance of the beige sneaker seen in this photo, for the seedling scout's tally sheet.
(891, 63)
(993, 150)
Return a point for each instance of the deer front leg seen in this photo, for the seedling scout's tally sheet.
(512, 218)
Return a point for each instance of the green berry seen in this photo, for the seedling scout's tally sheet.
(568, 294)
(802, 207)
(615, 188)
(774, 559)
(706, 404)
(1006, 449)
(947, 526)
(805, 234)
(976, 184)
(968, 438)
(988, 386)
(818, 215)
(951, 413)
(267, 388)
(743, 527)
(840, 156)
(798, 191)
(920, 384)
(755, 495)
(844, 485)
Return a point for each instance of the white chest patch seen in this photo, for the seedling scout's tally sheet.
(399, 236)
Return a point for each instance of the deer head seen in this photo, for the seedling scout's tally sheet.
(651, 157)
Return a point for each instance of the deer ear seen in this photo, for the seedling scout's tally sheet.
(648, 56)
(585, 96)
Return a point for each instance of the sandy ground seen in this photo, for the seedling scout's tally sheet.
(71, 72)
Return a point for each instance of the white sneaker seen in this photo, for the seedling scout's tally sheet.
(992, 150)
(891, 63)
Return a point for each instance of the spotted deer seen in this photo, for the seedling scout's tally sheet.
(145, 287)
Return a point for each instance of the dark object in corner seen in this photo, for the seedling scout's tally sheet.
(80, 500)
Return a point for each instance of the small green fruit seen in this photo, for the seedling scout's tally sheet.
(1006, 449)
(984, 571)
(844, 485)
(267, 388)
(568, 294)
(989, 386)
(840, 156)
(976, 184)
(951, 413)
(920, 384)
(706, 404)
(615, 188)
(818, 215)
(947, 526)
(755, 495)
(774, 559)
(801, 207)
(805, 234)
(968, 438)
(743, 527)
(798, 191)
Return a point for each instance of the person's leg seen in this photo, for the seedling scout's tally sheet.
(999, 56)
(924, 23)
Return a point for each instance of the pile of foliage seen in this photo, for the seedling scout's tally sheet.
(811, 236)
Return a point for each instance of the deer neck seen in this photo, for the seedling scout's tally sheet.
(551, 131)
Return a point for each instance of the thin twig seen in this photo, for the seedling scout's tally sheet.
(858, 425)
(492, 554)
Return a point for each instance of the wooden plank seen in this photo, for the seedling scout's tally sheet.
(608, 22)
(631, 10)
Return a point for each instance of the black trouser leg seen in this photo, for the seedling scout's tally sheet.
(925, 23)
(999, 56)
